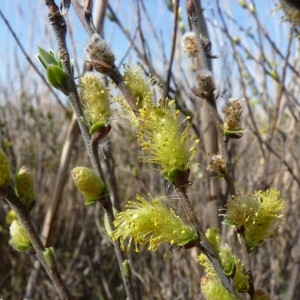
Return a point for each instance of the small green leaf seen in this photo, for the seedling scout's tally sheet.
(47, 57)
(57, 78)
(39, 58)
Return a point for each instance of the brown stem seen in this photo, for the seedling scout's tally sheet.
(208, 95)
(169, 72)
(59, 28)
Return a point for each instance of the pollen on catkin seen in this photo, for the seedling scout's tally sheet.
(165, 139)
(230, 264)
(151, 223)
(139, 87)
(258, 214)
(95, 101)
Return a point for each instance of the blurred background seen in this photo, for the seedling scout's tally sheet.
(257, 45)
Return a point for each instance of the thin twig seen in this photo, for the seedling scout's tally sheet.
(203, 244)
(24, 218)
(169, 72)
(209, 96)
(59, 28)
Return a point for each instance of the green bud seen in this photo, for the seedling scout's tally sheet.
(49, 257)
(126, 268)
(19, 238)
(4, 170)
(54, 70)
(89, 184)
(24, 187)
(57, 78)
(274, 74)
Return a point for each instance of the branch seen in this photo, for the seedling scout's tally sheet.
(24, 218)
(60, 30)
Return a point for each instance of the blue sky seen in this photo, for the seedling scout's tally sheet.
(29, 20)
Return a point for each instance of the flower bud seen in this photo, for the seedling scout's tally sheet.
(189, 44)
(99, 53)
(24, 187)
(216, 165)
(233, 111)
(5, 178)
(242, 3)
(205, 85)
(89, 184)
(19, 238)
(125, 268)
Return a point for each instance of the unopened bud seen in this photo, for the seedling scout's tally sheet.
(89, 184)
(216, 165)
(19, 238)
(233, 111)
(99, 53)
(189, 44)
(24, 187)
